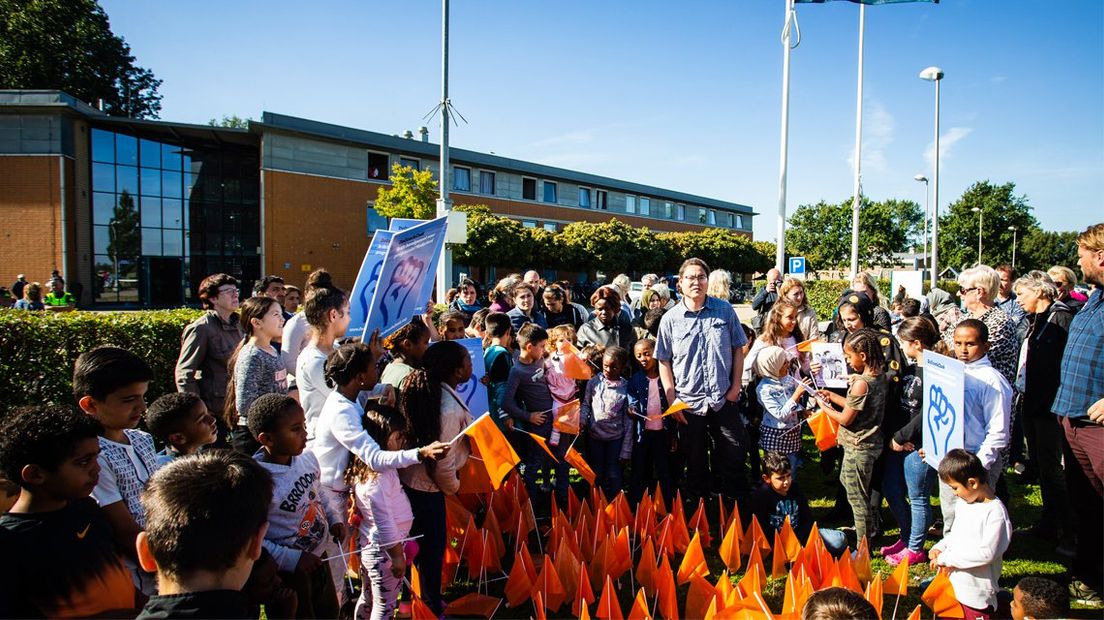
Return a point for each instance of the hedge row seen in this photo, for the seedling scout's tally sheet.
(38, 349)
(822, 294)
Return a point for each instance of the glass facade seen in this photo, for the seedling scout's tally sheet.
(166, 215)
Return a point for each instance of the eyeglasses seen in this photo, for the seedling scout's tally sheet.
(693, 278)
(963, 291)
(228, 290)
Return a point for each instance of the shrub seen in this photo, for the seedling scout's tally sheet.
(822, 294)
(38, 349)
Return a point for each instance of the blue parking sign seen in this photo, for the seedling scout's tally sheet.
(797, 264)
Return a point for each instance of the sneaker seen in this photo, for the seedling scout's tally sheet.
(914, 557)
(895, 548)
(1083, 594)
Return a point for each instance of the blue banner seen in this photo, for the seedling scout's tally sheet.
(943, 415)
(360, 298)
(408, 269)
(474, 392)
(402, 223)
(399, 224)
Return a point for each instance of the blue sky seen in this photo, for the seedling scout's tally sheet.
(683, 95)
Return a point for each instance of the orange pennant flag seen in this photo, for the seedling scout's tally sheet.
(549, 585)
(897, 583)
(665, 546)
(420, 611)
(861, 562)
(498, 456)
(693, 563)
(584, 613)
(806, 346)
(489, 560)
(660, 505)
(527, 561)
(755, 537)
(578, 462)
(675, 407)
(790, 543)
(539, 611)
(698, 596)
(754, 577)
(940, 597)
(789, 596)
(874, 594)
(700, 523)
(680, 533)
(473, 604)
(778, 558)
(494, 532)
(825, 429)
(639, 609)
(542, 442)
(474, 478)
(585, 594)
(915, 615)
(724, 589)
(665, 590)
(565, 417)
(574, 364)
(608, 607)
(646, 567)
(730, 546)
(620, 559)
(722, 518)
(518, 586)
(847, 573)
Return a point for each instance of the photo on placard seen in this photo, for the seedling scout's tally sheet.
(833, 368)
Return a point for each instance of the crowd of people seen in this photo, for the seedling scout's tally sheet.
(24, 295)
(286, 439)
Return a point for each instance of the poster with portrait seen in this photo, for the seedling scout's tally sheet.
(408, 268)
(942, 415)
(360, 298)
(833, 367)
(474, 393)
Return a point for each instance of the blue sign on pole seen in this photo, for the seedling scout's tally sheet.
(410, 261)
(360, 298)
(943, 421)
(474, 393)
(797, 265)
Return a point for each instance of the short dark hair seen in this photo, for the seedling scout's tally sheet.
(837, 604)
(319, 302)
(690, 262)
(981, 328)
(497, 324)
(169, 414)
(453, 315)
(910, 307)
(652, 318)
(959, 466)
(618, 354)
(776, 463)
(479, 319)
(554, 292)
(348, 361)
(202, 510)
(1043, 598)
(268, 410)
(209, 287)
(104, 370)
(531, 333)
(260, 286)
(518, 287)
(42, 435)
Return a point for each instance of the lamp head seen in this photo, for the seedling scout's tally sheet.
(921, 178)
(932, 74)
(1013, 228)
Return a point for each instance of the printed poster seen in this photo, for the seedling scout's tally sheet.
(833, 367)
(399, 224)
(474, 393)
(360, 298)
(408, 268)
(942, 414)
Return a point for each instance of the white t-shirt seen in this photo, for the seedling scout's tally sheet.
(655, 407)
(311, 380)
(973, 549)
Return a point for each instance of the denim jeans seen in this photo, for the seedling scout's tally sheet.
(605, 460)
(835, 541)
(895, 489)
(919, 477)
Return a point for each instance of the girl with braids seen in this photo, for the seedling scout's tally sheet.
(860, 422)
(433, 411)
(906, 473)
(407, 346)
(255, 368)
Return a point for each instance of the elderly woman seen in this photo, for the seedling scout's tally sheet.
(978, 288)
(607, 328)
(793, 290)
(864, 283)
(623, 283)
(1065, 279)
(1037, 381)
(720, 285)
(942, 306)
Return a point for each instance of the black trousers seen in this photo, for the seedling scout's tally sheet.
(716, 447)
(429, 522)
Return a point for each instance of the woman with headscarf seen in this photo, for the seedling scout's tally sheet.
(944, 310)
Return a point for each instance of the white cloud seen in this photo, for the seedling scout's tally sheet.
(878, 128)
(946, 142)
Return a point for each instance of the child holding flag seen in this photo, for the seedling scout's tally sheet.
(652, 433)
(605, 412)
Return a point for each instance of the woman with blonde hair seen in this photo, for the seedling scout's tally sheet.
(720, 285)
(793, 289)
(1065, 280)
(864, 283)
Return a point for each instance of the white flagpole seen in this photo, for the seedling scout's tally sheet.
(783, 157)
(858, 151)
(444, 204)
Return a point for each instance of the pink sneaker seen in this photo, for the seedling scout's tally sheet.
(896, 547)
(914, 557)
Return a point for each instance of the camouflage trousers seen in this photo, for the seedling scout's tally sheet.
(856, 473)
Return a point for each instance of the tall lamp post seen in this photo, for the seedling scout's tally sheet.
(1014, 231)
(927, 207)
(981, 218)
(935, 74)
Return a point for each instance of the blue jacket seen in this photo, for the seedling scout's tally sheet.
(638, 392)
(518, 319)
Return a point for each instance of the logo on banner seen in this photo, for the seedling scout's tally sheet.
(941, 419)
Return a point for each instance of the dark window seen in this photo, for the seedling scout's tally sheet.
(410, 163)
(379, 166)
(529, 189)
(601, 199)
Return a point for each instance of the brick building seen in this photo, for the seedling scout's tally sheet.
(134, 213)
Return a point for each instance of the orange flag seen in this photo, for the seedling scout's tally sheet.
(730, 546)
(755, 537)
(897, 583)
(700, 523)
(915, 615)
(665, 545)
(420, 611)
(639, 609)
(574, 365)
(584, 613)
(660, 505)
(693, 563)
(722, 519)
(585, 594)
(789, 596)
(825, 429)
(473, 475)
(578, 462)
(543, 443)
(646, 567)
(608, 607)
(874, 594)
(665, 590)
(847, 573)
(698, 596)
(620, 559)
(806, 346)
(861, 562)
(473, 604)
(498, 456)
(790, 543)
(539, 612)
(527, 561)
(753, 579)
(549, 585)
(675, 407)
(679, 531)
(724, 589)
(494, 532)
(518, 585)
(940, 597)
(778, 558)
(565, 417)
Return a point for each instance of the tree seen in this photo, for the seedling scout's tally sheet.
(999, 208)
(233, 122)
(1041, 250)
(68, 45)
(413, 194)
(124, 233)
(492, 241)
(822, 232)
(611, 246)
(764, 256)
(719, 248)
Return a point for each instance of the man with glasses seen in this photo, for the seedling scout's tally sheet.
(1079, 406)
(207, 344)
(700, 353)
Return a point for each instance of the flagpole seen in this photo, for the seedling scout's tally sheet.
(858, 151)
(783, 157)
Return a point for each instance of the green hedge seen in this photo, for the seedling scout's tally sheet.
(822, 294)
(38, 349)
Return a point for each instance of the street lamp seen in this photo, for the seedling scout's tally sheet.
(1014, 231)
(981, 218)
(927, 205)
(935, 74)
